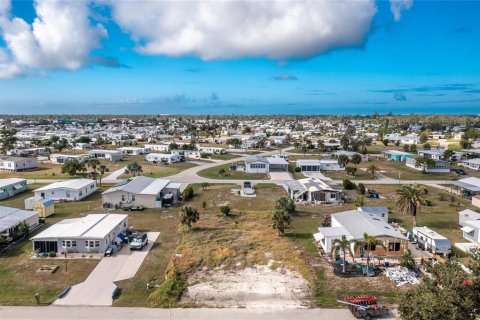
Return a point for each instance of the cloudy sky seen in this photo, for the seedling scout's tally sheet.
(244, 56)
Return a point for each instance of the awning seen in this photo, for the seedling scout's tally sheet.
(318, 236)
(467, 229)
(18, 186)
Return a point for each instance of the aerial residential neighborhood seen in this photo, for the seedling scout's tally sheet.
(339, 202)
(239, 160)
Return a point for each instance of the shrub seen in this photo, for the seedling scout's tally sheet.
(225, 210)
(361, 188)
(52, 254)
(187, 193)
(349, 185)
(298, 169)
(170, 290)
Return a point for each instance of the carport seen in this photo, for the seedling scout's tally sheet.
(277, 164)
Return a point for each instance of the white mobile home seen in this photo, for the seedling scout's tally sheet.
(68, 190)
(162, 158)
(132, 151)
(473, 164)
(142, 191)
(14, 164)
(440, 166)
(11, 218)
(432, 241)
(63, 158)
(92, 233)
(157, 147)
(256, 164)
(110, 155)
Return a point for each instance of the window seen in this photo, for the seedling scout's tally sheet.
(257, 166)
(372, 247)
(92, 186)
(69, 243)
(394, 246)
(92, 243)
(68, 194)
(80, 193)
(123, 197)
(133, 197)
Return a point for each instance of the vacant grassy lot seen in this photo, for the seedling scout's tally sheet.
(213, 173)
(340, 175)
(392, 169)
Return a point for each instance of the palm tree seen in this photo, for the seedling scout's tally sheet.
(373, 168)
(280, 220)
(409, 200)
(93, 163)
(134, 168)
(189, 215)
(343, 245)
(101, 172)
(285, 204)
(343, 160)
(369, 242)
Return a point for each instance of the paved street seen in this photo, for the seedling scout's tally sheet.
(104, 313)
(97, 289)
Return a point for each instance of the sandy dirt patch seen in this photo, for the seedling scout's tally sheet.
(258, 287)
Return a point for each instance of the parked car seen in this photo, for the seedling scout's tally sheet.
(129, 207)
(139, 240)
(459, 172)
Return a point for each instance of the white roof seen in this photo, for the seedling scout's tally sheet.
(472, 161)
(140, 185)
(10, 217)
(471, 181)
(473, 223)
(90, 226)
(357, 223)
(472, 215)
(328, 161)
(333, 231)
(75, 184)
(130, 148)
(308, 162)
(10, 181)
(279, 161)
(467, 229)
(429, 233)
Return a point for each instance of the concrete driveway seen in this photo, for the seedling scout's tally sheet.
(280, 176)
(97, 289)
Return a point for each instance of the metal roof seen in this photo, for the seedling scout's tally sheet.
(10, 181)
(11, 217)
(140, 185)
(74, 184)
(357, 223)
(472, 183)
(254, 158)
(90, 226)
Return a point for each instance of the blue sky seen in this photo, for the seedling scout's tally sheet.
(426, 61)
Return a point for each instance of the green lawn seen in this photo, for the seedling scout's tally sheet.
(224, 156)
(393, 168)
(160, 170)
(212, 173)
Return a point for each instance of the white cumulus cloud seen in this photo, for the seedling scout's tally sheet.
(397, 6)
(60, 37)
(275, 29)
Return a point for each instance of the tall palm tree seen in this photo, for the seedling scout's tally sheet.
(343, 245)
(409, 200)
(101, 172)
(373, 168)
(93, 163)
(369, 242)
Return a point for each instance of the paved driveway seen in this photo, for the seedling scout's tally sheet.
(112, 177)
(281, 175)
(97, 289)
